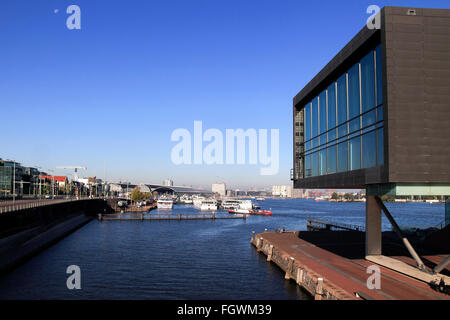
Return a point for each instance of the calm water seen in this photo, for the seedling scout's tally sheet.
(184, 259)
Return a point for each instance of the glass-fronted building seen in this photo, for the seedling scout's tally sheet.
(344, 122)
(7, 178)
(377, 116)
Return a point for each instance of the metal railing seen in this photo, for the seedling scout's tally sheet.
(320, 224)
(19, 205)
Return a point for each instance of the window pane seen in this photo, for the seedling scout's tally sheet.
(342, 130)
(354, 125)
(315, 164)
(315, 117)
(379, 68)
(307, 146)
(368, 118)
(315, 142)
(322, 162)
(323, 139)
(323, 112)
(331, 163)
(369, 155)
(307, 166)
(342, 99)
(353, 91)
(331, 91)
(368, 82)
(342, 156)
(308, 121)
(380, 113)
(331, 135)
(354, 154)
(380, 147)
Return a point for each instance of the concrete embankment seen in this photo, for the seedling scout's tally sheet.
(26, 232)
(17, 248)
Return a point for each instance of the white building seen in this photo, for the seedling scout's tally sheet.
(168, 183)
(282, 191)
(220, 188)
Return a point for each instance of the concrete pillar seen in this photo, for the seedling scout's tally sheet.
(270, 253)
(290, 266)
(299, 276)
(373, 227)
(319, 289)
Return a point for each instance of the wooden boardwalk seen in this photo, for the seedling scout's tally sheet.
(330, 265)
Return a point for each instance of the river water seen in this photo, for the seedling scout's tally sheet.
(202, 259)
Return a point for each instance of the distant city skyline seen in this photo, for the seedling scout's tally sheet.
(109, 95)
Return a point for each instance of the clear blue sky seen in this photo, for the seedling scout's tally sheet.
(116, 89)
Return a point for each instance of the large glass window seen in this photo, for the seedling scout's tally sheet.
(346, 121)
(342, 98)
(315, 164)
(342, 153)
(308, 172)
(331, 162)
(308, 122)
(331, 107)
(369, 149)
(379, 73)
(354, 153)
(322, 113)
(322, 161)
(353, 91)
(368, 82)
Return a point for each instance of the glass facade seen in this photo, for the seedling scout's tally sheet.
(344, 123)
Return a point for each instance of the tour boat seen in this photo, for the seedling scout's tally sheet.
(239, 211)
(230, 204)
(164, 204)
(208, 205)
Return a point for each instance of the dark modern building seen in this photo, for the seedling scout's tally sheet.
(377, 117)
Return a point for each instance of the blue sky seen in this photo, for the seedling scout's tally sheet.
(137, 70)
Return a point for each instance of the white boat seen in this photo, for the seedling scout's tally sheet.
(230, 204)
(164, 204)
(208, 205)
(185, 200)
(239, 211)
(260, 199)
(245, 204)
(197, 201)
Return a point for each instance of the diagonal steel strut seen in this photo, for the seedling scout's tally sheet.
(408, 246)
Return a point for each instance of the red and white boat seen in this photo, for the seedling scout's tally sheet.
(254, 212)
(261, 212)
(239, 211)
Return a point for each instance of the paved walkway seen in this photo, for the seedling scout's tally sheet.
(350, 273)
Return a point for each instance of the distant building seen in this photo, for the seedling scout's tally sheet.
(282, 191)
(168, 183)
(219, 188)
(11, 173)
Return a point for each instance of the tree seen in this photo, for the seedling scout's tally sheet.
(334, 196)
(136, 194)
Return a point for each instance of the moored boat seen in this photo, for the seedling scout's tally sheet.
(164, 203)
(261, 212)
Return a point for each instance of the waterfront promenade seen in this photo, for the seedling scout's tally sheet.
(330, 265)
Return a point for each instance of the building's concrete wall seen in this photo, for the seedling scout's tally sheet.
(417, 73)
